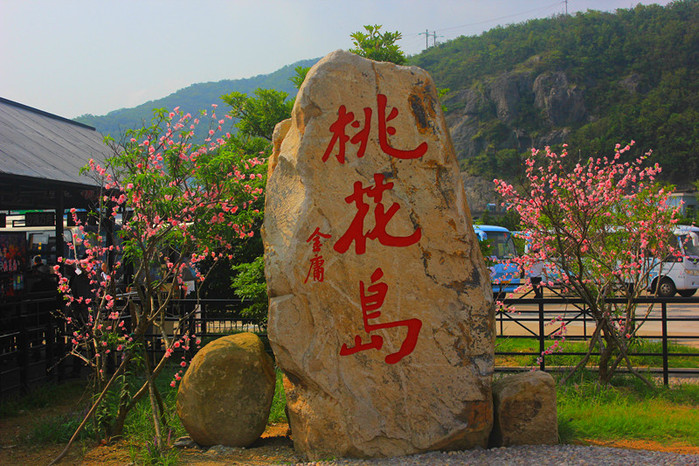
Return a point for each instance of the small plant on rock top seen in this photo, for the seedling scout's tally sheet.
(378, 46)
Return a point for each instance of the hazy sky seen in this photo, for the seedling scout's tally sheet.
(72, 57)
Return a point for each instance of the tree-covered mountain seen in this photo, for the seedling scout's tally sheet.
(193, 99)
(589, 80)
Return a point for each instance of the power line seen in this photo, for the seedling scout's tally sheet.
(503, 17)
(427, 33)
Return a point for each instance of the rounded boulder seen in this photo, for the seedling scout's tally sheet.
(226, 394)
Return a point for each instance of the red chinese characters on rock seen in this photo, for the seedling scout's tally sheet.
(316, 271)
(372, 298)
(355, 232)
(345, 119)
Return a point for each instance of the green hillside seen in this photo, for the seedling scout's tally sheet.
(590, 80)
(192, 99)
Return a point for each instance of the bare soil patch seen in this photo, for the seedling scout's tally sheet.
(647, 445)
(274, 447)
(14, 447)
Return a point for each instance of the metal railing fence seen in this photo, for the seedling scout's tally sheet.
(531, 323)
(34, 342)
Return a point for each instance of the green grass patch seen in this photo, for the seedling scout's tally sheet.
(70, 402)
(278, 412)
(138, 429)
(139, 422)
(55, 429)
(42, 396)
(628, 409)
(531, 345)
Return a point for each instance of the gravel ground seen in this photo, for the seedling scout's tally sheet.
(534, 455)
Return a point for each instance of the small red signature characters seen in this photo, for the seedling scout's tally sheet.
(371, 303)
(355, 232)
(340, 138)
(316, 271)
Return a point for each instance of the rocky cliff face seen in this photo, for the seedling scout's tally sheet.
(479, 192)
(561, 101)
(513, 103)
(559, 104)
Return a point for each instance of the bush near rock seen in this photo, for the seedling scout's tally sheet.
(226, 394)
(525, 410)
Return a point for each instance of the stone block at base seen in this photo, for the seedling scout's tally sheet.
(525, 410)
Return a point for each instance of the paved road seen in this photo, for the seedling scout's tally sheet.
(683, 321)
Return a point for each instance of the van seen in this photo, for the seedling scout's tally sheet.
(678, 274)
(505, 275)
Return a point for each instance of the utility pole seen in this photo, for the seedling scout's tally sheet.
(427, 36)
(566, 2)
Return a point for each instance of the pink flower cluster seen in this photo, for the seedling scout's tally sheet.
(173, 209)
(595, 225)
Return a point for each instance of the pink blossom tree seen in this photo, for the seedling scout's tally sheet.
(175, 203)
(601, 225)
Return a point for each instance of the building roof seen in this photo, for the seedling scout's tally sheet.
(41, 153)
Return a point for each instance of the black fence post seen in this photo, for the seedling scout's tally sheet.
(191, 330)
(498, 311)
(202, 319)
(50, 336)
(23, 349)
(542, 362)
(62, 350)
(664, 340)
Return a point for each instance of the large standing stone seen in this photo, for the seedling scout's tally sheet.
(525, 410)
(226, 394)
(380, 305)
